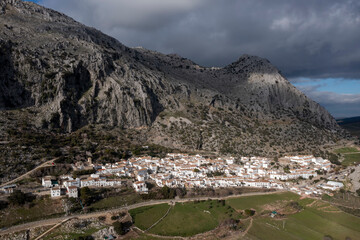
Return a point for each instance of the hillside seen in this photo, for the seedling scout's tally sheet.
(60, 80)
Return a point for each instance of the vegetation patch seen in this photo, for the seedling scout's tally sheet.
(258, 202)
(351, 159)
(346, 150)
(116, 201)
(36, 210)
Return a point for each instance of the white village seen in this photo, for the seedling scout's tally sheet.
(179, 170)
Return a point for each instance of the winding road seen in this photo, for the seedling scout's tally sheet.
(45, 164)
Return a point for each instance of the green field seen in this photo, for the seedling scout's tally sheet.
(346, 150)
(185, 219)
(144, 217)
(351, 158)
(307, 224)
(313, 222)
(316, 219)
(256, 202)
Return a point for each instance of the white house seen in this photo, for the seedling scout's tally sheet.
(48, 181)
(333, 186)
(140, 186)
(69, 183)
(55, 192)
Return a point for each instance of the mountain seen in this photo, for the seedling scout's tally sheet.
(67, 76)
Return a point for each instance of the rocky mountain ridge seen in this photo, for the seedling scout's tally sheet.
(71, 76)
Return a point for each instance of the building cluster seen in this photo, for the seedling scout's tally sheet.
(69, 186)
(195, 171)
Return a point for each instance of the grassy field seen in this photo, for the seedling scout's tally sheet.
(144, 217)
(313, 222)
(351, 155)
(185, 219)
(351, 158)
(257, 202)
(37, 210)
(346, 150)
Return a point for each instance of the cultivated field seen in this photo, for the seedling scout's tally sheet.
(297, 218)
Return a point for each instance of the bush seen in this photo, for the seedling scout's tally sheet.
(19, 198)
(119, 228)
(249, 212)
(295, 205)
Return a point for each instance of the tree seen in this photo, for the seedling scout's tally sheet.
(19, 198)
(86, 195)
(249, 212)
(287, 169)
(119, 228)
(334, 159)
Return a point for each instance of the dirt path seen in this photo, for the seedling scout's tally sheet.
(53, 221)
(45, 164)
(167, 212)
(310, 204)
(51, 229)
(157, 236)
(248, 228)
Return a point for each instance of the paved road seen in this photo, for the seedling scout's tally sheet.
(45, 164)
(53, 221)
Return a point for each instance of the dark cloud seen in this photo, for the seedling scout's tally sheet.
(303, 38)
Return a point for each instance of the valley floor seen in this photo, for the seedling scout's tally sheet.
(281, 215)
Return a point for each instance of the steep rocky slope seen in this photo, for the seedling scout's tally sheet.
(68, 76)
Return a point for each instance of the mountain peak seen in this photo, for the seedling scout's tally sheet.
(71, 76)
(251, 64)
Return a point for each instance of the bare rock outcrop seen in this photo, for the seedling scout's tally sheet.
(72, 75)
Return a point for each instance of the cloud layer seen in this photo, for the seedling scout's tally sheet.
(340, 105)
(303, 38)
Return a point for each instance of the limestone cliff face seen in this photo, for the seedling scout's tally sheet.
(72, 75)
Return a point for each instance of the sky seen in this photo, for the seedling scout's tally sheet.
(315, 43)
